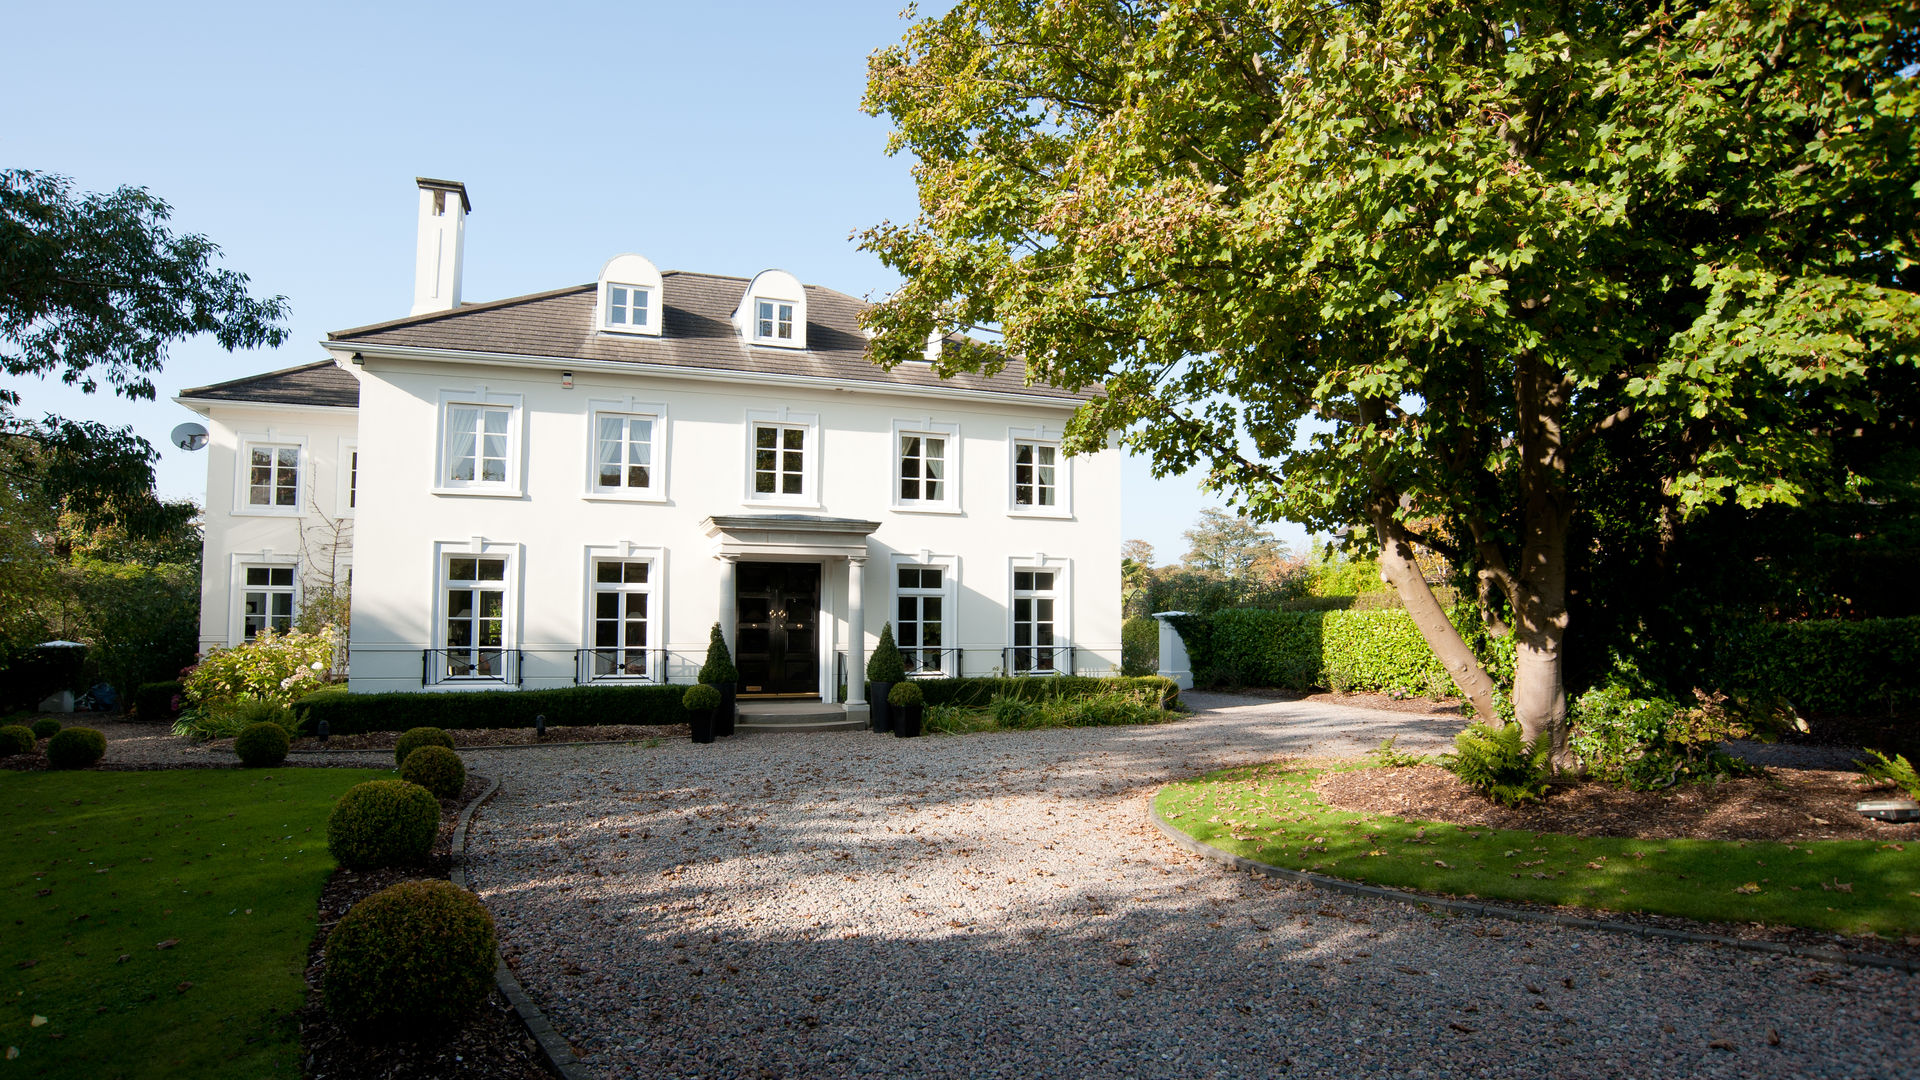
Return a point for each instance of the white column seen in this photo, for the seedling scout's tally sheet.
(856, 632)
(728, 608)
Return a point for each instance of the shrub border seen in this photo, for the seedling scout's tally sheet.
(1471, 907)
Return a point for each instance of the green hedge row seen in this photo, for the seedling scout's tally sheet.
(977, 692)
(351, 714)
(1375, 650)
(1824, 666)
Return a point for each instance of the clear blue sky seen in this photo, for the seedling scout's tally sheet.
(725, 138)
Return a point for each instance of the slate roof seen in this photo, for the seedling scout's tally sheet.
(697, 332)
(322, 383)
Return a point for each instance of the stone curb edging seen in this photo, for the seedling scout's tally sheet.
(388, 751)
(559, 1055)
(1376, 892)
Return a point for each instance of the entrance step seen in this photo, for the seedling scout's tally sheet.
(767, 717)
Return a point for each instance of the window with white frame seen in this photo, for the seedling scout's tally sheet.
(1035, 648)
(266, 600)
(622, 595)
(480, 443)
(623, 453)
(920, 610)
(273, 476)
(1036, 471)
(923, 468)
(779, 460)
(773, 320)
(474, 620)
(629, 307)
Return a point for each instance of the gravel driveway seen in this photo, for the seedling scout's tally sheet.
(999, 906)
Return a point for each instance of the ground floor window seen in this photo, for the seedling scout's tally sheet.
(1034, 598)
(622, 591)
(476, 617)
(267, 600)
(920, 618)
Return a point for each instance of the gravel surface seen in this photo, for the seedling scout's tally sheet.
(999, 905)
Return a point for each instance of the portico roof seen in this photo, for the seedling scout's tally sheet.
(791, 535)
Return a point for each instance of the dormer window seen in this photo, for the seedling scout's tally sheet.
(628, 307)
(775, 321)
(630, 300)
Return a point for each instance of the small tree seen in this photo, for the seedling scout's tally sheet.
(719, 669)
(886, 664)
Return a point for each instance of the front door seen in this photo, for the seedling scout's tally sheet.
(778, 632)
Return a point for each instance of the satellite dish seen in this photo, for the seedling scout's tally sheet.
(189, 436)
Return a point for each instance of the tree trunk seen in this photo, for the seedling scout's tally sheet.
(1397, 562)
(1538, 592)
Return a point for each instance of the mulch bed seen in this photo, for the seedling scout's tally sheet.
(494, 1044)
(481, 738)
(1783, 804)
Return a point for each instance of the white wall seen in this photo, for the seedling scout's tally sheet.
(549, 527)
(237, 533)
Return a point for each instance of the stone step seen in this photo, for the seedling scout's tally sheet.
(795, 727)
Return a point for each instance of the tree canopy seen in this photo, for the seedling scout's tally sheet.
(1452, 273)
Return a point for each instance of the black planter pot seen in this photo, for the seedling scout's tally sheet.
(728, 713)
(881, 713)
(702, 723)
(906, 721)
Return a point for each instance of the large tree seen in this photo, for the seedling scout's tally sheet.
(95, 288)
(1445, 271)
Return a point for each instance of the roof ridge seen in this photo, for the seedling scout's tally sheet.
(257, 377)
(463, 309)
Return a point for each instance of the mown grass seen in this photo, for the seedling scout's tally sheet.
(100, 869)
(1271, 814)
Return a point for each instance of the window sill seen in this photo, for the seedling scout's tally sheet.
(926, 508)
(791, 504)
(620, 497)
(481, 492)
(266, 511)
(1055, 514)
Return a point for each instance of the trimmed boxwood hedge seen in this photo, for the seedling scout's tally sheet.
(352, 714)
(1377, 650)
(1823, 666)
(977, 692)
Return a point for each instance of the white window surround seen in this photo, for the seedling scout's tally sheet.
(1062, 472)
(629, 273)
(949, 567)
(656, 489)
(776, 287)
(513, 485)
(925, 427)
(511, 590)
(242, 468)
(627, 551)
(1062, 571)
(238, 564)
(346, 481)
(809, 496)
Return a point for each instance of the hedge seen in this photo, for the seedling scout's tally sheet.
(579, 706)
(977, 692)
(1823, 666)
(154, 701)
(1373, 650)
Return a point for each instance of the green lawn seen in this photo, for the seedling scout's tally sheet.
(100, 869)
(1271, 814)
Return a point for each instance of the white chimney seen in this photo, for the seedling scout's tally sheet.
(443, 241)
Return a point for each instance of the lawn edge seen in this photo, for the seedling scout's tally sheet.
(559, 1054)
(1473, 907)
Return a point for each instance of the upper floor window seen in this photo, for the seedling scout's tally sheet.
(1041, 482)
(479, 444)
(629, 300)
(773, 311)
(926, 466)
(774, 321)
(273, 476)
(783, 457)
(353, 478)
(623, 452)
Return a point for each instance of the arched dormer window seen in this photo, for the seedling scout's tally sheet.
(773, 311)
(630, 298)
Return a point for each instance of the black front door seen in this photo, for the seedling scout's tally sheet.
(778, 629)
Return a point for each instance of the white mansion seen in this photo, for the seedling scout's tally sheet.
(572, 486)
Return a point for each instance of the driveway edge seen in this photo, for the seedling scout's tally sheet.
(559, 1055)
(1472, 907)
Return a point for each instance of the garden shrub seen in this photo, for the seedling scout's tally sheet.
(583, 706)
(1647, 743)
(719, 669)
(1499, 763)
(979, 691)
(1356, 649)
(158, 700)
(76, 748)
(1823, 666)
(436, 768)
(414, 959)
(383, 823)
(414, 738)
(272, 667)
(16, 739)
(262, 745)
(700, 698)
(229, 718)
(1140, 646)
(905, 695)
(886, 665)
(45, 728)
(1895, 770)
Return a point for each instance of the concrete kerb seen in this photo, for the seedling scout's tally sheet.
(1470, 907)
(552, 1046)
(501, 746)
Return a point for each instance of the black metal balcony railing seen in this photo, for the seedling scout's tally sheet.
(932, 661)
(1038, 659)
(471, 664)
(620, 665)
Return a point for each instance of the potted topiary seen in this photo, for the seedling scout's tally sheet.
(719, 673)
(884, 668)
(907, 703)
(701, 702)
